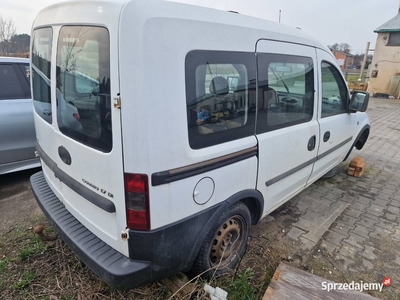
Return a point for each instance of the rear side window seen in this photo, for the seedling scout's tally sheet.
(286, 91)
(218, 87)
(13, 85)
(41, 76)
(83, 85)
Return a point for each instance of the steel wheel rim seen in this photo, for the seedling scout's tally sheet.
(227, 241)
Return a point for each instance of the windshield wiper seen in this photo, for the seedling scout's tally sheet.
(279, 78)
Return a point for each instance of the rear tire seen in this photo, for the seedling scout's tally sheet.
(225, 243)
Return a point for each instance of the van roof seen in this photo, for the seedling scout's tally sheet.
(74, 12)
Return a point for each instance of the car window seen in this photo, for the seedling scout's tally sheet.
(11, 86)
(83, 85)
(41, 75)
(334, 91)
(285, 91)
(25, 72)
(217, 97)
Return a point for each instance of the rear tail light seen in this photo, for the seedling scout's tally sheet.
(76, 116)
(137, 201)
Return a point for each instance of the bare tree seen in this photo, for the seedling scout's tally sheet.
(7, 30)
(344, 47)
(340, 47)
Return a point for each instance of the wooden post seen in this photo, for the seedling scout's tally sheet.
(364, 61)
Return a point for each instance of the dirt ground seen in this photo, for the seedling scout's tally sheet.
(17, 204)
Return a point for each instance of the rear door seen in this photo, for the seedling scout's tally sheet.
(336, 125)
(75, 76)
(287, 127)
(17, 131)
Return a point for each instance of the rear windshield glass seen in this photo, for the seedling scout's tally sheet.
(83, 85)
(41, 66)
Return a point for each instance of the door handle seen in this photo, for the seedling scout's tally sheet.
(311, 143)
(327, 135)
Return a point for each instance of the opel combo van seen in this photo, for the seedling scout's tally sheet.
(194, 124)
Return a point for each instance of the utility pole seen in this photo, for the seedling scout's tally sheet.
(280, 12)
(364, 61)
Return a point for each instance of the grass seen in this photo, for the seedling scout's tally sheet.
(240, 287)
(31, 249)
(3, 266)
(26, 279)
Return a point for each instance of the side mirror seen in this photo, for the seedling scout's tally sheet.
(359, 101)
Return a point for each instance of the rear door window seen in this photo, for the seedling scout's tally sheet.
(41, 76)
(12, 83)
(286, 91)
(83, 85)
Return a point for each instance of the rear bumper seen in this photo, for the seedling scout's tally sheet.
(111, 266)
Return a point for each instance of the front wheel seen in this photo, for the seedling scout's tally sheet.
(225, 244)
(330, 174)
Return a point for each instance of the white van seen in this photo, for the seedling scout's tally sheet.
(197, 123)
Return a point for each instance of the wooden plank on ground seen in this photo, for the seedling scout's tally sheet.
(292, 283)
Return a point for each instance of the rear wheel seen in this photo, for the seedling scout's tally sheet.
(225, 243)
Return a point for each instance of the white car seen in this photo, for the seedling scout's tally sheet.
(204, 122)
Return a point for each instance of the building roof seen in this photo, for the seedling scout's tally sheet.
(392, 25)
(342, 52)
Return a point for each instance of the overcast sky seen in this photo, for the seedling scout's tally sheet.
(340, 21)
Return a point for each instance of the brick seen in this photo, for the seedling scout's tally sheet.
(332, 197)
(386, 224)
(353, 213)
(384, 197)
(345, 261)
(347, 220)
(381, 202)
(395, 203)
(328, 246)
(340, 228)
(323, 209)
(359, 206)
(367, 265)
(356, 240)
(367, 222)
(380, 232)
(376, 210)
(364, 200)
(304, 224)
(373, 217)
(294, 233)
(348, 250)
(334, 237)
(306, 243)
(361, 231)
(369, 252)
(313, 217)
(390, 216)
(393, 210)
(396, 234)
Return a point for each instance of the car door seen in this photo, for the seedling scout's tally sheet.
(17, 131)
(287, 128)
(336, 124)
